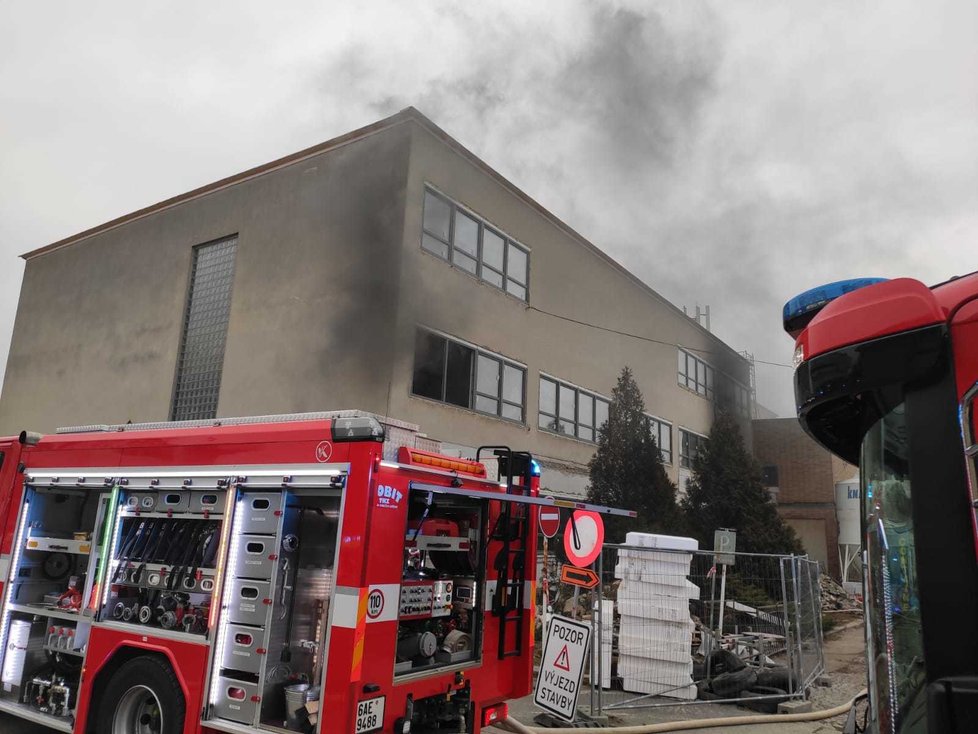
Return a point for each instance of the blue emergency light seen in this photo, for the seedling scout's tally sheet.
(801, 309)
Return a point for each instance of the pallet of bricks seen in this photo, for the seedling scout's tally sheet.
(656, 632)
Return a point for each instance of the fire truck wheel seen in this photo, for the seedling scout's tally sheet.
(142, 697)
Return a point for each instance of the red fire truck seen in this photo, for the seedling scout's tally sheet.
(317, 574)
(887, 378)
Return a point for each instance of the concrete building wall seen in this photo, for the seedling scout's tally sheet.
(568, 277)
(99, 322)
(814, 534)
(329, 287)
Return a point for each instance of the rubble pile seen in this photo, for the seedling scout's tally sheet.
(835, 598)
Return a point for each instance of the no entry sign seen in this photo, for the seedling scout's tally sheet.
(583, 537)
(549, 520)
(561, 666)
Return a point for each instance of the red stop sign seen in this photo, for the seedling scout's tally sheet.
(549, 520)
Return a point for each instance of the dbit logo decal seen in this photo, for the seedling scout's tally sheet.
(388, 497)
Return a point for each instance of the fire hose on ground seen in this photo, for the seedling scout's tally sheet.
(512, 725)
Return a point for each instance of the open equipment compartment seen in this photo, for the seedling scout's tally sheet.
(270, 646)
(161, 571)
(47, 612)
(440, 609)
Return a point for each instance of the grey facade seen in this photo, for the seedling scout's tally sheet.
(330, 286)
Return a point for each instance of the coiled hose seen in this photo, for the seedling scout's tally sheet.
(512, 725)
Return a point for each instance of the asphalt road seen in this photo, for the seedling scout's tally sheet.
(12, 725)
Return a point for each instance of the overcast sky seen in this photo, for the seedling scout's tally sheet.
(730, 153)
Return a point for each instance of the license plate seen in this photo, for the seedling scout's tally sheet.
(370, 715)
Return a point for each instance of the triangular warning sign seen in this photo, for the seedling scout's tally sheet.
(563, 660)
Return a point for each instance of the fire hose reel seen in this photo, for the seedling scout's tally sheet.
(421, 645)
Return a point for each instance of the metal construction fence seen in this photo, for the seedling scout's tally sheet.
(672, 627)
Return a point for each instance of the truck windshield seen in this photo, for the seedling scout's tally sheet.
(894, 650)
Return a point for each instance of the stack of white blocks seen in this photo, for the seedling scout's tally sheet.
(656, 633)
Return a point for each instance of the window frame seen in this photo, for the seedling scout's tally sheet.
(685, 457)
(715, 385)
(506, 278)
(557, 417)
(658, 424)
(473, 387)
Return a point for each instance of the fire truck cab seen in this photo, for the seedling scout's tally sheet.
(320, 573)
(887, 378)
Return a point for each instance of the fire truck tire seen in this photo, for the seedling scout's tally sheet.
(142, 697)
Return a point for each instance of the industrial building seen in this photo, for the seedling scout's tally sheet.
(389, 269)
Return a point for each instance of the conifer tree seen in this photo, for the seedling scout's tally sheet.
(726, 492)
(626, 471)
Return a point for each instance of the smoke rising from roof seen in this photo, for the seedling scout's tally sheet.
(727, 153)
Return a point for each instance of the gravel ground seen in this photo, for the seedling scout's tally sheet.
(844, 659)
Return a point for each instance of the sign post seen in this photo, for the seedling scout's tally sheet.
(724, 547)
(549, 525)
(561, 667)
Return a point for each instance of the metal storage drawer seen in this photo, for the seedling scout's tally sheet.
(178, 501)
(201, 502)
(237, 700)
(241, 649)
(255, 556)
(250, 602)
(259, 512)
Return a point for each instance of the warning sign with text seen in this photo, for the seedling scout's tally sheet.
(561, 667)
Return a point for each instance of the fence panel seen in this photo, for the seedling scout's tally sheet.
(672, 628)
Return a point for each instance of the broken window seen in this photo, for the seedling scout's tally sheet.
(690, 444)
(452, 372)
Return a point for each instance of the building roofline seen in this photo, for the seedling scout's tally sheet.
(332, 144)
(405, 115)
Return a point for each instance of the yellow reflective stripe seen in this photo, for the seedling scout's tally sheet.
(356, 667)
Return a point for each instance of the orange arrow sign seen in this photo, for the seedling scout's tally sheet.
(575, 576)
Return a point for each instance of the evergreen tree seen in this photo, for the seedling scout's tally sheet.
(726, 492)
(626, 471)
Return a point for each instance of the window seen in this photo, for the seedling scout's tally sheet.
(474, 245)
(696, 374)
(662, 433)
(571, 411)
(703, 379)
(452, 372)
(205, 329)
(690, 444)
